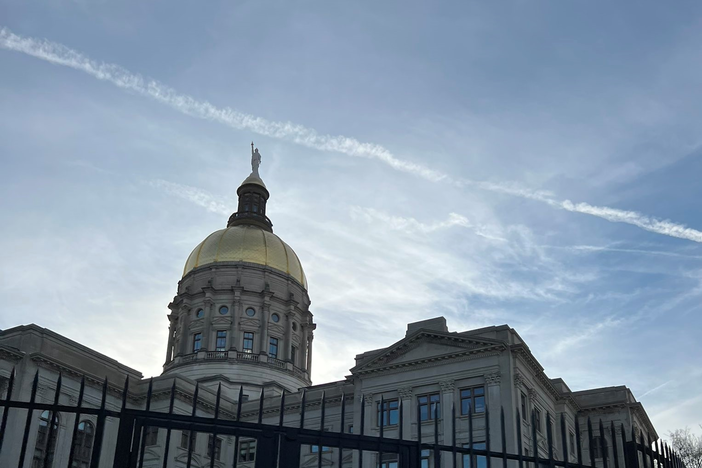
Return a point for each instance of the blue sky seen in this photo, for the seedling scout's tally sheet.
(534, 163)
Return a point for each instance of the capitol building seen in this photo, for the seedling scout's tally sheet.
(241, 324)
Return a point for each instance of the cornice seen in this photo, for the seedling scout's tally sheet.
(10, 354)
(428, 362)
(522, 353)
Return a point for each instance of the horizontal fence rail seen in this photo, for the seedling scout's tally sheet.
(280, 445)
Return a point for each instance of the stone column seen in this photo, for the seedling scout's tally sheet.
(209, 316)
(184, 338)
(448, 390)
(303, 347)
(236, 316)
(288, 333)
(265, 315)
(494, 404)
(368, 457)
(408, 410)
(169, 351)
(309, 354)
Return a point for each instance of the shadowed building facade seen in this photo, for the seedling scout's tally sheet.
(241, 321)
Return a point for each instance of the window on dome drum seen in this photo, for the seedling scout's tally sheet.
(293, 355)
(523, 409)
(248, 342)
(197, 342)
(480, 461)
(473, 400)
(250, 311)
(217, 444)
(247, 450)
(221, 342)
(184, 436)
(273, 348)
(83, 445)
(255, 203)
(44, 448)
(224, 310)
(275, 318)
(429, 405)
(246, 199)
(200, 313)
(389, 414)
(537, 418)
(151, 435)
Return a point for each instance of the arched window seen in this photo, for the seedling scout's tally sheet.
(44, 447)
(83, 446)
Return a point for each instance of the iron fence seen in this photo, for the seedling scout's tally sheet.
(279, 445)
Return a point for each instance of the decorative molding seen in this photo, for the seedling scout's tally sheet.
(493, 379)
(447, 385)
(532, 394)
(368, 398)
(405, 393)
(427, 362)
(518, 380)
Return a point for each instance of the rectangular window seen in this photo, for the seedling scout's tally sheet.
(216, 446)
(524, 406)
(151, 435)
(473, 400)
(197, 342)
(273, 348)
(389, 414)
(221, 343)
(480, 460)
(389, 460)
(293, 355)
(184, 435)
(247, 450)
(315, 449)
(537, 419)
(426, 457)
(429, 405)
(248, 342)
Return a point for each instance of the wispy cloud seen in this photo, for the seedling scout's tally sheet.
(195, 195)
(61, 55)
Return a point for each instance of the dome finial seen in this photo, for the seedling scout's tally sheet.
(255, 160)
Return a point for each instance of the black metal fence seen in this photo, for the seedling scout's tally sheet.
(280, 445)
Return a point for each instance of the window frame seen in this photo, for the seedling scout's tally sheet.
(150, 436)
(537, 420)
(524, 406)
(471, 399)
(248, 337)
(480, 460)
(197, 342)
(432, 406)
(217, 447)
(218, 337)
(250, 447)
(387, 412)
(273, 347)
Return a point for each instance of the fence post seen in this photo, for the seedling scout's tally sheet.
(123, 446)
(289, 450)
(266, 449)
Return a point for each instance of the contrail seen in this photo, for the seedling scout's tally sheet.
(61, 55)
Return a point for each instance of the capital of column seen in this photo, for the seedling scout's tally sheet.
(518, 380)
(405, 393)
(368, 398)
(493, 379)
(447, 385)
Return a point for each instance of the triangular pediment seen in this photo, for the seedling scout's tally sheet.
(425, 346)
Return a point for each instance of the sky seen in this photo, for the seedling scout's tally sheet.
(532, 163)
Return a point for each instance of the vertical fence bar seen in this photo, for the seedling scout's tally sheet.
(549, 441)
(342, 424)
(591, 444)
(363, 418)
(615, 452)
(260, 405)
(470, 437)
(453, 433)
(503, 433)
(76, 422)
(487, 436)
(564, 442)
(626, 453)
(603, 445)
(520, 451)
(534, 440)
(28, 422)
(437, 452)
(302, 409)
(381, 422)
(578, 443)
(102, 417)
(238, 418)
(48, 459)
(191, 435)
(643, 447)
(418, 460)
(6, 411)
(144, 430)
(218, 402)
(650, 452)
(167, 447)
(320, 447)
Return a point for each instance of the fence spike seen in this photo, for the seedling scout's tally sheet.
(76, 422)
(6, 411)
(591, 444)
(191, 433)
(520, 449)
(261, 399)
(281, 418)
(564, 442)
(363, 419)
(302, 408)
(341, 428)
(28, 422)
(603, 445)
(167, 446)
(615, 452)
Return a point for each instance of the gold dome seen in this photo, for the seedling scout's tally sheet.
(246, 243)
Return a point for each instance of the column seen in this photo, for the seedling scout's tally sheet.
(169, 351)
(303, 346)
(408, 410)
(184, 338)
(209, 315)
(368, 457)
(265, 314)
(494, 403)
(236, 316)
(288, 333)
(309, 355)
(448, 390)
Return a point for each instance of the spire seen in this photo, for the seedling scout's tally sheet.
(253, 196)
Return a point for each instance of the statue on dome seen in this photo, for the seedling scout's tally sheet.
(255, 160)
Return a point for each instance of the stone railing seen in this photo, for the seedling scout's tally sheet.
(247, 357)
(217, 355)
(277, 363)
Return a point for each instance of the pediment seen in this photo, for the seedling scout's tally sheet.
(221, 321)
(428, 346)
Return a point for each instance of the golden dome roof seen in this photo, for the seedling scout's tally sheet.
(247, 243)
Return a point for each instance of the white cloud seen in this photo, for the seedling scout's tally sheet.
(299, 134)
